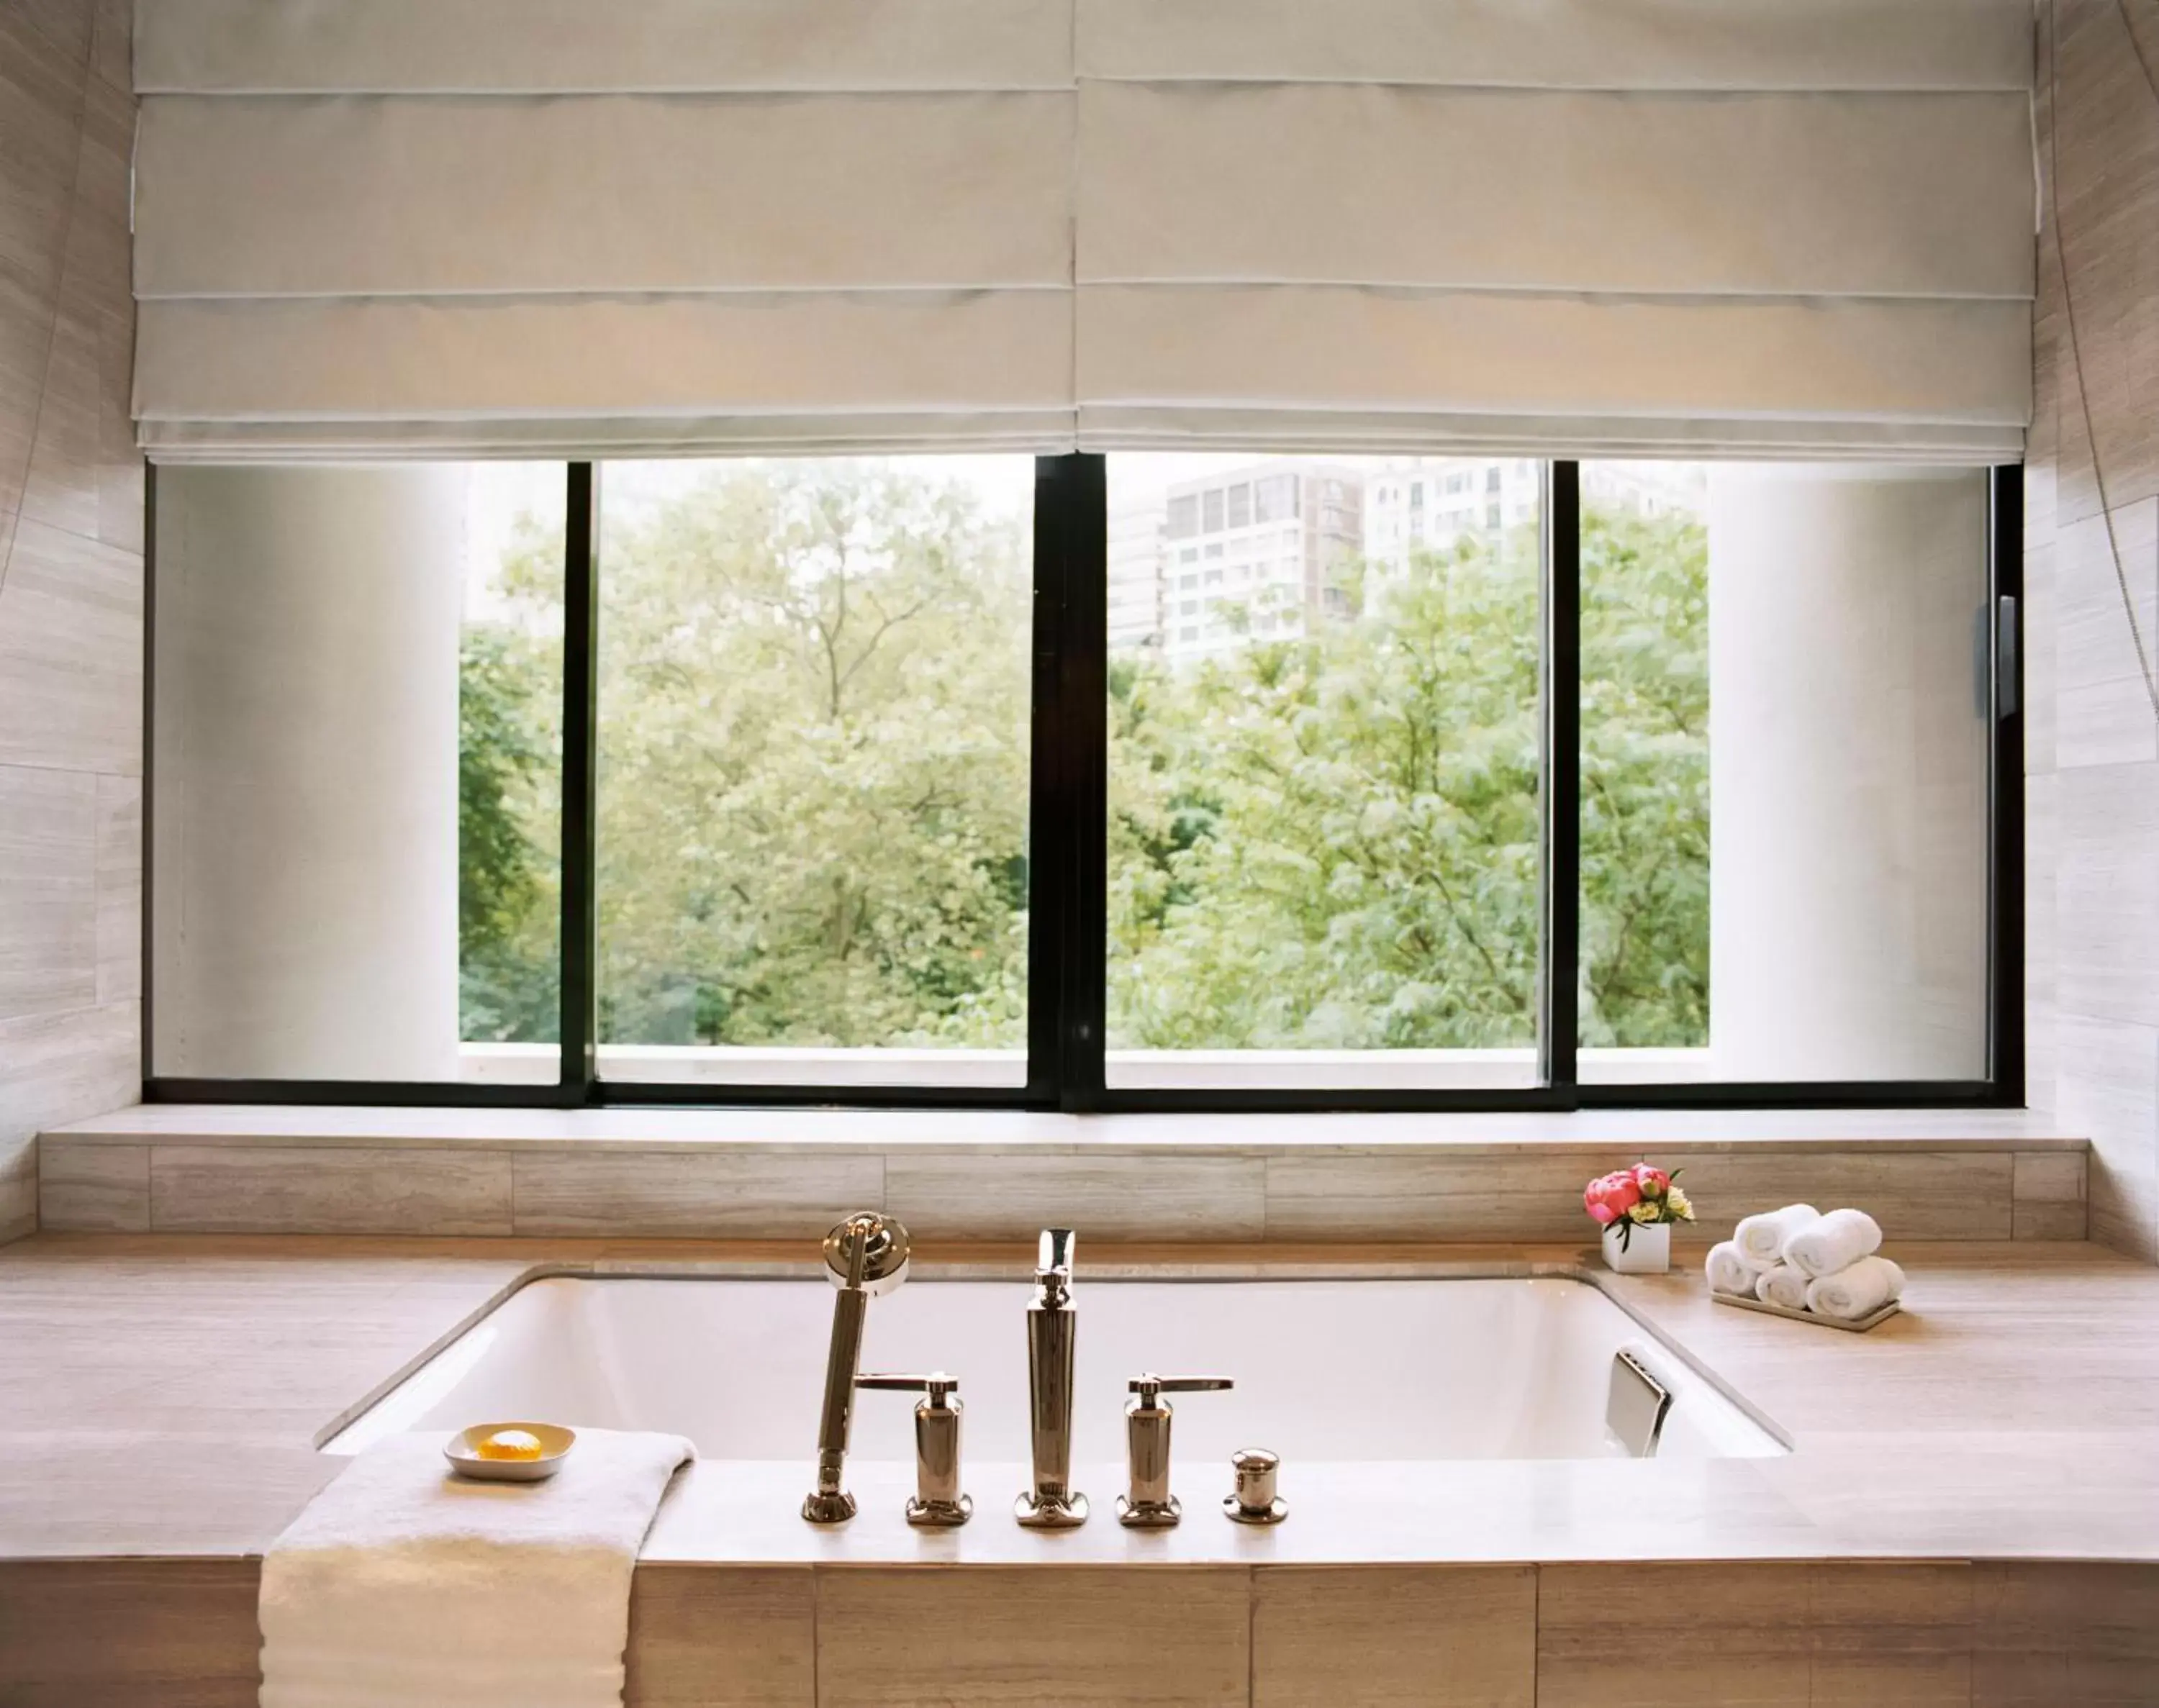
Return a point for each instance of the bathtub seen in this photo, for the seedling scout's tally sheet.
(1326, 1370)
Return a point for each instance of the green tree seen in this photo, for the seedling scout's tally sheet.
(813, 790)
(1644, 780)
(1334, 842)
(814, 761)
(509, 802)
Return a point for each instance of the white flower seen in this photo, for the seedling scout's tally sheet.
(1681, 1206)
(1644, 1212)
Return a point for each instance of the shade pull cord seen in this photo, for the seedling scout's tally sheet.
(2069, 321)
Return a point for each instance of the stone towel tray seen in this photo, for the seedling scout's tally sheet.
(1858, 1325)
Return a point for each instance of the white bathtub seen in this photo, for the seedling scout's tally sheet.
(1326, 1370)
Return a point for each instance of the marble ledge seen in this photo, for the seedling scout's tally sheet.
(164, 1397)
(1755, 1132)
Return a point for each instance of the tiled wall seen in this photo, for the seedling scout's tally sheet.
(1769, 1633)
(70, 584)
(2092, 497)
(1316, 1192)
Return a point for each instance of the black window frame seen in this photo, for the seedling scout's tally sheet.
(1068, 817)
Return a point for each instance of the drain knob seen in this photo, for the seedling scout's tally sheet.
(1255, 1502)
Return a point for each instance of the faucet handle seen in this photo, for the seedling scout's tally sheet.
(936, 1384)
(1149, 1386)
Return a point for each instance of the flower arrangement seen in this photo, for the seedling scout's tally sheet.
(1640, 1196)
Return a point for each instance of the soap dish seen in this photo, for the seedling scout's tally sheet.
(1857, 1325)
(461, 1450)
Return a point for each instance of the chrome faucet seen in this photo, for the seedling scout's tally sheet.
(865, 1257)
(1147, 1504)
(939, 1503)
(1052, 1324)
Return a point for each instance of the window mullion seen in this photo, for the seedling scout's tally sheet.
(580, 845)
(1559, 972)
(1068, 812)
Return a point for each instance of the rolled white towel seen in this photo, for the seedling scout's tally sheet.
(1858, 1290)
(1761, 1239)
(1782, 1285)
(1837, 1241)
(1727, 1271)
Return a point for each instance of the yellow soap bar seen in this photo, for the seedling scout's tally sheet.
(510, 1444)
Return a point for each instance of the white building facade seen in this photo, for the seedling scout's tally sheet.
(1257, 553)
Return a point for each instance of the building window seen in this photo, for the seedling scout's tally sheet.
(1241, 505)
(1184, 517)
(1274, 498)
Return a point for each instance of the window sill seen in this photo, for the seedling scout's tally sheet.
(871, 1129)
(1003, 1174)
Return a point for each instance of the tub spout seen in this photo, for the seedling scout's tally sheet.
(865, 1255)
(1051, 1504)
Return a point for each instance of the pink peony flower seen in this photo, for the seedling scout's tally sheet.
(1610, 1196)
(1653, 1183)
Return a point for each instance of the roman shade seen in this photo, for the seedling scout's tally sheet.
(538, 226)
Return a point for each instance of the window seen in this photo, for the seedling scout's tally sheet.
(813, 746)
(687, 781)
(356, 771)
(1182, 516)
(1210, 510)
(1781, 691)
(1241, 505)
(1324, 866)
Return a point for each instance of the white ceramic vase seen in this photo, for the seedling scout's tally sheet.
(1648, 1250)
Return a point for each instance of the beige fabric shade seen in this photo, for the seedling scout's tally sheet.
(526, 227)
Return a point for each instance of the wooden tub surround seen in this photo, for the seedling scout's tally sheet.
(1970, 1515)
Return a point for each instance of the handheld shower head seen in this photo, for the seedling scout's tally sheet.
(867, 1250)
(865, 1257)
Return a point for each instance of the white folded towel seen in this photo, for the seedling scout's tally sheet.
(1761, 1239)
(1782, 1285)
(1727, 1271)
(1858, 1290)
(1837, 1241)
(400, 1583)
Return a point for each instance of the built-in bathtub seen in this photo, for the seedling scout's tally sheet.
(1326, 1370)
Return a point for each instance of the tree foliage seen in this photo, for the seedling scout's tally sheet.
(510, 802)
(1334, 842)
(814, 757)
(1644, 781)
(814, 791)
